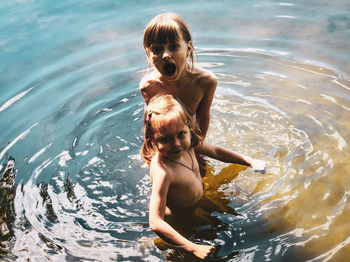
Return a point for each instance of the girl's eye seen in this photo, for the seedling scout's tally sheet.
(181, 134)
(156, 49)
(163, 139)
(173, 47)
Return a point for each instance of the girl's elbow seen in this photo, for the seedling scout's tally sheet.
(154, 225)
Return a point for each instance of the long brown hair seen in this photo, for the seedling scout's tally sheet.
(165, 108)
(165, 28)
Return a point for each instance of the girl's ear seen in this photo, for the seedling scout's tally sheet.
(148, 53)
(189, 48)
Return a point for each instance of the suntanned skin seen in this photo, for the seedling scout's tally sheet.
(185, 187)
(175, 188)
(175, 191)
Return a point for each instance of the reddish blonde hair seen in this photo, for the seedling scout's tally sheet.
(165, 108)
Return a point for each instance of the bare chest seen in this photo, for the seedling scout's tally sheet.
(191, 100)
(186, 190)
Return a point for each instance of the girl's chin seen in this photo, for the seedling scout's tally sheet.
(170, 78)
(173, 155)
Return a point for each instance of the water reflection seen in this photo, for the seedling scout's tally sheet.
(7, 207)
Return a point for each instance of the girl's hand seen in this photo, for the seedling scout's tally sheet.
(258, 166)
(203, 251)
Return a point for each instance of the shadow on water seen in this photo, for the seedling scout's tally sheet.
(7, 208)
(10, 220)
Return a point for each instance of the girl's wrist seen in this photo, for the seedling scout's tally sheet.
(189, 246)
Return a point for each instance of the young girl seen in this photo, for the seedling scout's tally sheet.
(169, 48)
(170, 138)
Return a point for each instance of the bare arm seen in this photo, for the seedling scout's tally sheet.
(229, 156)
(143, 87)
(203, 110)
(160, 186)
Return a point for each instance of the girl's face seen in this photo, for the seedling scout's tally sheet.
(173, 139)
(170, 59)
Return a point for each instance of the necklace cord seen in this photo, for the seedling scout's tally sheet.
(182, 164)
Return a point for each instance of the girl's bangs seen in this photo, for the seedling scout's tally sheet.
(161, 34)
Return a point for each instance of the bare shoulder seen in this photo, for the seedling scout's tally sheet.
(148, 86)
(158, 171)
(205, 78)
(147, 81)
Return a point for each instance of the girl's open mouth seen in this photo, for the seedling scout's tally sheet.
(169, 69)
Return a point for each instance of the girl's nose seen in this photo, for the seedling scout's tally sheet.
(176, 142)
(166, 54)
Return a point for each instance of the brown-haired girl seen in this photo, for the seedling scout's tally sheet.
(169, 48)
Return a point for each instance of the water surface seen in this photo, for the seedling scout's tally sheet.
(72, 186)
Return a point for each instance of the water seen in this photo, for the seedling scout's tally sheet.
(72, 188)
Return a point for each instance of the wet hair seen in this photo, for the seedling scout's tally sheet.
(165, 28)
(165, 108)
